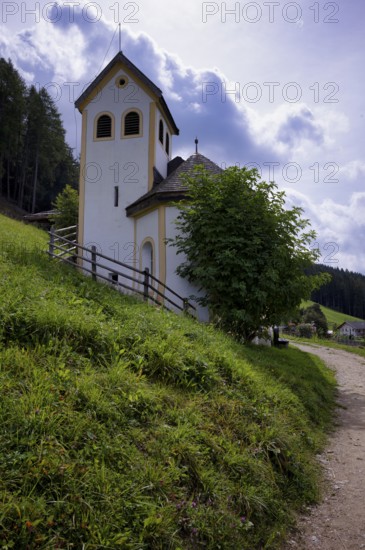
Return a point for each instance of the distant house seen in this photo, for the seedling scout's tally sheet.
(352, 329)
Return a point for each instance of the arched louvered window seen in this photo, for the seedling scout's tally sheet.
(160, 132)
(167, 144)
(104, 128)
(132, 124)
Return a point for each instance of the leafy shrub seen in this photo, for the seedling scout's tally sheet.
(67, 206)
(314, 314)
(305, 330)
(243, 246)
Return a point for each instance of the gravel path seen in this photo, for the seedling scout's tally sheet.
(338, 523)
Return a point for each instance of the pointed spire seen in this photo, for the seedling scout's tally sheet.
(196, 145)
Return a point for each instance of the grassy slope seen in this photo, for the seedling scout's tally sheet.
(333, 317)
(124, 426)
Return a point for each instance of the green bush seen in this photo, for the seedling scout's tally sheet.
(67, 207)
(243, 246)
(314, 314)
(305, 330)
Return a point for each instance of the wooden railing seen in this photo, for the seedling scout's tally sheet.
(63, 246)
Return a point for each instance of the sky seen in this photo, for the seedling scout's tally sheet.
(274, 85)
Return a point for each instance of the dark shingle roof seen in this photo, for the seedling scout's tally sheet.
(173, 164)
(121, 58)
(358, 325)
(172, 188)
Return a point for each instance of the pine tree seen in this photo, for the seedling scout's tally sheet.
(46, 147)
(345, 292)
(12, 114)
(35, 161)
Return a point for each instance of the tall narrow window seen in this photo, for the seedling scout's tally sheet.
(160, 132)
(147, 257)
(132, 124)
(116, 196)
(104, 127)
(167, 144)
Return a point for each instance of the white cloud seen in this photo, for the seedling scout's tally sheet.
(296, 130)
(60, 50)
(46, 47)
(354, 169)
(340, 228)
(228, 131)
(17, 48)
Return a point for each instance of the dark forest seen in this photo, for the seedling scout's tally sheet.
(345, 292)
(35, 161)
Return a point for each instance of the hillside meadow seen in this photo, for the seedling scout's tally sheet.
(125, 426)
(334, 318)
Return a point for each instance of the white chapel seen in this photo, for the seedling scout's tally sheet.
(129, 179)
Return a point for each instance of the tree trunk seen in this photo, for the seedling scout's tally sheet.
(8, 179)
(23, 176)
(22, 186)
(35, 183)
(1, 175)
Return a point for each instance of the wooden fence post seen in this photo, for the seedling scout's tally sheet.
(75, 258)
(146, 283)
(186, 305)
(51, 242)
(276, 336)
(93, 262)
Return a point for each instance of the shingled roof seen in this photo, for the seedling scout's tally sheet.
(355, 325)
(122, 59)
(172, 188)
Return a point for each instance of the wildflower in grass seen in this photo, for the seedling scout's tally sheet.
(29, 526)
(51, 523)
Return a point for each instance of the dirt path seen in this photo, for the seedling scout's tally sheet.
(338, 523)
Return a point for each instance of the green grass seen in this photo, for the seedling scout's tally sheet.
(334, 318)
(125, 426)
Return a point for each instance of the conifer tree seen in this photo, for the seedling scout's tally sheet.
(35, 160)
(12, 114)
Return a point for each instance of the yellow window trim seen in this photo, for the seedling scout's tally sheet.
(118, 79)
(108, 113)
(133, 78)
(135, 110)
(151, 144)
(152, 243)
(162, 246)
(82, 181)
